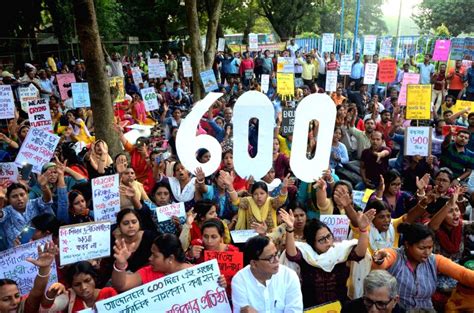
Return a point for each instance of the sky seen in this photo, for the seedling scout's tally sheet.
(390, 8)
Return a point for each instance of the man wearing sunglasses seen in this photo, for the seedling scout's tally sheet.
(380, 295)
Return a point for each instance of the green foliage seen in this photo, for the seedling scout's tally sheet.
(109, 18)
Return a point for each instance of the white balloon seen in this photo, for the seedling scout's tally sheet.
(313, 107)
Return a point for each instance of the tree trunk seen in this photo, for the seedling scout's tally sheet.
(214, 14)
(98, 81)
(197, 60)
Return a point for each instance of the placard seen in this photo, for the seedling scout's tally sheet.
(64, 83)
(150, 99)
(346, 65)
(338, 224)
(265, 82)
(117, 82)
(441, 50)
(357, 196)
(230, 262)
(253, 42)
(469, 47)
(457, 49)
(7, 102)
(193, 289)
(82, 242)
(387, 70)
(327, 42)
(286, 84)
(285, 65)
(8, 171)
(332, 307)
(137, 76)
(221, 44)
(39, 115)
(166, 212)
(418, 141)
(106, 198)
(408, 78)
(153, 68)
(331, 80)
(80, 95)
(288, 121)
(370, 73)
(462, 105)
(385, 47)
(37, 149)
(418, 102)
(241, 236)
(367, 193)
(26, 95)
(370, 43)
(14, 266)
(209, 80)
(187, 69)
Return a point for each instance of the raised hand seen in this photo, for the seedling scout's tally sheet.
(381, 186)
(127, 191)
(342, 199)
(122, 252)
(288, 218)
(260, 228)
(226, 178)
(60, 167)
(364, 219)
(379, 256)
(43, 178)
(45, 255)
(457, 190)
(320, 184)
(190, 216)
(200, 176)
(422, 183)
(286, 180)
(55, 290)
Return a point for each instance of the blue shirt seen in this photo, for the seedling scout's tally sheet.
(425, 72)
(357, 70)
(470, 80)
(226, 208)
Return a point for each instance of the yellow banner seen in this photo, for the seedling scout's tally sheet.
(334, 307)
(367, 193)
(117, 82)
(418, 102)
(463, 104)
(286, 84)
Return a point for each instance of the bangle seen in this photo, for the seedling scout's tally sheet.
(330, 181)
(290, 230)
(421, 195)
(363, 230)
(378, 198)
(44, 276)
(199, 181)
(121, 270)
(231, 191)
(48, 298)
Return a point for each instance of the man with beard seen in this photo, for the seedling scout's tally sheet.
(363, 137)
(384, 127)
(456, 156)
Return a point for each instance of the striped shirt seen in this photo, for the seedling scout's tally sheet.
(457, 161)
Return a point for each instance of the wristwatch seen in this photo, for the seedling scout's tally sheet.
(458, 179)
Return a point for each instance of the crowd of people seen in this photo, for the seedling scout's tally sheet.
(409, 246)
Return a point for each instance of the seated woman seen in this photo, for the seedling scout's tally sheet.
(82, 295)
(139, 114)
(131, 191)
(98, 160)
(331, 205)
(161, 196)
(80, 131)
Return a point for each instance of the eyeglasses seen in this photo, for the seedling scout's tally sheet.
(381, 305)
(272, 258)
(325, 238)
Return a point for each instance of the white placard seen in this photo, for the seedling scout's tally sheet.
(385, 47)
(193, 289)
(346, 65)
(7, 103)
(14, 266)
(221, 44)
(37, 149)
(357, 196)
(331, 80)
(327, 42)
(370, 43)
(166, 212)
(265, 82)
(153, 68)
(338, 224)
(137, 76)
(286, 65)
(370, 73)
(150, 99)
(40, 115)
(187, 69)
(253, 42)
(80, 95)
(82, 242)
(26, 95)
(106, 198)
(162, 69)
(241, 236)
(418, 141)
(8, 171)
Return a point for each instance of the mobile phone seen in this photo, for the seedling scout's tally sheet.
(139, 143)
(158, 159)
(26, 171)
(26, 234)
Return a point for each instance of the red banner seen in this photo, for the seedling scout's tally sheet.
(387, 70)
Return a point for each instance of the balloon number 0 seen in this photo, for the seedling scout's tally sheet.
(254, 104)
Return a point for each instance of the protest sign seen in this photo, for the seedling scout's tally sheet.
(387, 70)
(288, 121)
(370, 43)
(40, 115)
(253, 42)
(241, 236)
(357, 196)
(385, 47)
(106, 197)
(7, 103)
(209, 80)
(346, 65)
(466, 64)
(221, 44)
(299, 82)
(230, 262)
(370, 73)
(338, 224)
(64, 83)
(408, 78)
(367, 193)
(265, 82)
(441, 50)
(331, 80)
(80, 95)
(161, 70)
(14, 266)
(327, 43)
(469, 47)
(187, 69)
(193, 289)
(332, 307)
(117, 83)
(462, 105)
(26, 95)
(82, 242)
(418, 102)
(248, 74)
(457, 49)
(418, 141)
(137, 76)
(150, 99)
(153, 68)
(286, 84)
(37, 149)
(166, 212)
(285, 65)
(8, 171)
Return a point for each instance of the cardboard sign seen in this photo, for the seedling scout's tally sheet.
(80, 95)
(286, 65)
(150, 99)
(153, 68)
(457, 49)
(40, 115)
(26, 95)
(248, 74)
(137, 76)
(418, 102)
(166, 212)
(327, 43)
(286, 84)
(187, 69)
(288, 121)
(14, 266)
(253, 42)
(37, 149)
(221, 44)
(367, 193)
(117, 82)
(265, 82)
(387, 70)
(64, 83)
(385, 47)
(7, 102)
(346, 65)
(370, 43)
(193, 289)
(241, 236)
(8, 171)
(106, 198)
(469, 48)
(82, 242)
(441, 50)
(357, 196)
(230, 262)
(331, 80)
(338, 224)
(332, 307)
(408, 78)
(418, 141)
(209, 80)
(462, 105)
(370, 73)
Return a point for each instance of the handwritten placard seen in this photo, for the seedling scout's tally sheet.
(331, 80)
(14, 266)
(166, 212)
(253, 42)
(285, 65)
(40, 115)
(418, 102)
(370, 43)
(26, 95)
(64, 83)
(327, 42)
(265, 82)
(150, 99)
(441, 50)
(137, 76)
(457, 49)
(418, 141)
(37, 149)
(286, 84)
(241, 236)
(370, 73)
(7, 103)
(221, 44)
(209, 80)
(462, 105)
(8, 171)
(80, 95)
(346, 65)
(338, 224)
(82, 242)
(117, 83)
(288, 121)
(385, 47)
(357, 196)
(187, 69)
(106, 197)
(387, 70)
(230, 262)
(408, 78)
(193, 289)
(153, 68)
